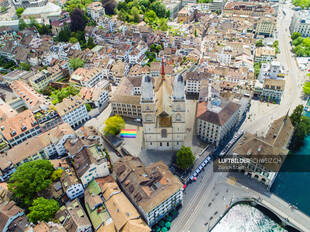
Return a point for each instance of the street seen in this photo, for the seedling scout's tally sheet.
(262, 114)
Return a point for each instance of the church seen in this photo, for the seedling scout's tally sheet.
(163, 111)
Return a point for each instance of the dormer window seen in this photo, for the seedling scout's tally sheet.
(13, 133)
(24, 128)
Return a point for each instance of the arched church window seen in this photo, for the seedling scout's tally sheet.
(164, 133)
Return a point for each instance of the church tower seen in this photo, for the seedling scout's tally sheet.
(178, 112)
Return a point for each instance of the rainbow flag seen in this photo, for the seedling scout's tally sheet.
(128, 133)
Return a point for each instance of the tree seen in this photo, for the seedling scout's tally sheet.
(24, 66)
(73, 40)
(22, 24)
(42, 210)
(150, 17)
(159, 8)
(88, 107)
(163, 24)
(259, 43)
(306, 88)
(185, 158)
(135, 13)
(90, 43)
(56, 174)
(296, 115)
(19, 12)
(76, 63)
(257, 66)
(78, 22)
(29, 179)
(109, 6)
(64, 34)
(113, 125)
(295, 35)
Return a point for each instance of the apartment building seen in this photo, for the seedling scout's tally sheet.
(89, 161)
(9, 213)
(193, 81)
(265, 27)
(31, 98)
(86, 77)
(216, 118)
(73, 217)
(265, 54)
(126, 98)
(275, 142)
(73, 111)
(71, 185)
(42, 79)
(98, 96)
(95, 10)
(153, 190)
(18, 128)
(301, 23)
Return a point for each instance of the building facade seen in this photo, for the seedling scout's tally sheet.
(163, 112)
(301, 23)
(73, 111)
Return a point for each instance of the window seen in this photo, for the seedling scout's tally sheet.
(148, 118)
(167, 144)
(164, 133)
(178, 117)
(161, 144)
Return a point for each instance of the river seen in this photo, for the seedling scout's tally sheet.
(246, 218)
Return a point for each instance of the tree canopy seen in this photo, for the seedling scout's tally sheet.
(301, 45)
(19, 12)
(78, 21)
(155, 13)
(302, 128)
(42, 210)
(76, 63)
(58, 95)
(306, 88)
(259, 43)
(29, 179)
(185, 158)
(113, 125)
(304, 4)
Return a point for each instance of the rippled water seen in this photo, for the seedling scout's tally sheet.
(245, 218)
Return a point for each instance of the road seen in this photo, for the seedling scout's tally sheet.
(262, 116)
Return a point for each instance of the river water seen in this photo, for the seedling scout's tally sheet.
(294, 187)
(245, 218)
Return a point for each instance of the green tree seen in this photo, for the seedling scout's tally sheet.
(159, 8)
(88, 107)
(135, 13)
(296, 115)
(257, 66)
(29, 179)
(56, 174)
(185, 158)
(218, 12)
(163, 24)
(24, 66)
(150, 16)
(295, 35)
(22, 24)
(113, 125)
(306, 88)
(90, 43)
(259, 43)
(64, 34)
(19, 12)
(3, 8)
(73, 40)
(76, 63)
(42, 210)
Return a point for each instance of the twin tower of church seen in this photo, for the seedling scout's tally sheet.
(163, 111)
